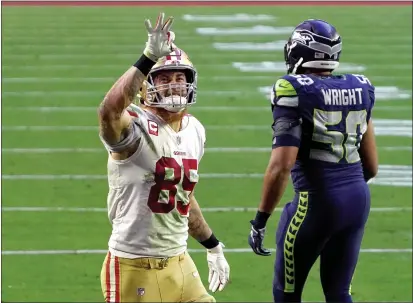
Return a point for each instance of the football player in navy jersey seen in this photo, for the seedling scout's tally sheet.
(324, 137)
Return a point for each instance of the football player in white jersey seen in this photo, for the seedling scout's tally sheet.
(154, 152)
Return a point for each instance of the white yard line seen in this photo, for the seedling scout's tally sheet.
(262, 93)
(227, 250)
(113, 79)
(102, 93)
(49, 128)
(94, 128)
(53, 109)
(242, 55)
(54, 67)
(389, 175)
(204, 209)
(193, 108)
(103, 177)
(74, 66)
(392, 174)
(397, 168)
(397, 128)
(58, 79)
(45, 66)
(209, 150)
(103, 40)
(51, 150)
(395, 148)
(232, 18)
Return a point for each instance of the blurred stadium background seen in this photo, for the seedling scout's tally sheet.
(58, 62)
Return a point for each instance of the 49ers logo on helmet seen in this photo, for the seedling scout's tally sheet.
(174, 56)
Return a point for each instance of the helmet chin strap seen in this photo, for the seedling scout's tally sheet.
(297, 65)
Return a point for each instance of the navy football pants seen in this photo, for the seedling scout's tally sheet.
(329, 225)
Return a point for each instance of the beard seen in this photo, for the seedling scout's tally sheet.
(166, 115)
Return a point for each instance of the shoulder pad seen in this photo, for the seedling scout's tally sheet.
(284, 93)
(200, 129)
(284, 88)
(363, 80)
(196, 122)
(198, 125)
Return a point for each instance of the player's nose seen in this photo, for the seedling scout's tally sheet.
(175, 88)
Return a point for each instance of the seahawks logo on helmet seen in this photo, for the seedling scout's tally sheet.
(314, 44)
(302, 37)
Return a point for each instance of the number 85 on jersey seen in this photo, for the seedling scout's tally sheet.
(173, 185)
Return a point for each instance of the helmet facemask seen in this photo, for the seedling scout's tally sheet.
(293, 64)
(174, 97)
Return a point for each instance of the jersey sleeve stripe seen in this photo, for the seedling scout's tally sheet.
(132, 113)
(288, 101)
(132, 136)
(135, 108)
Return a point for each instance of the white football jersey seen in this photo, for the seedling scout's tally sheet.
(148, 199)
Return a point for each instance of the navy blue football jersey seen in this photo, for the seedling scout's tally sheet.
(333, 112)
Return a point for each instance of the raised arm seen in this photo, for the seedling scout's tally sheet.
(113, 120)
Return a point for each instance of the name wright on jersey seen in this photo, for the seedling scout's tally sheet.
(345, 96)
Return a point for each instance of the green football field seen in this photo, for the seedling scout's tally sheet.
(58, 63)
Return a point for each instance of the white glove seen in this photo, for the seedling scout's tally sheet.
(218, 268)
(159, 38)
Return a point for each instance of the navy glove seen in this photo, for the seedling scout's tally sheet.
(256, 239)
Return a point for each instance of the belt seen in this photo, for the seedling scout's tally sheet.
(154, 263)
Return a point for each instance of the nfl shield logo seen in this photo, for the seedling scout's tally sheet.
(141, 291)
(178, 140)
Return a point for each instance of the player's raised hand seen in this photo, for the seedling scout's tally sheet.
(256, 240)
(160, 38)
